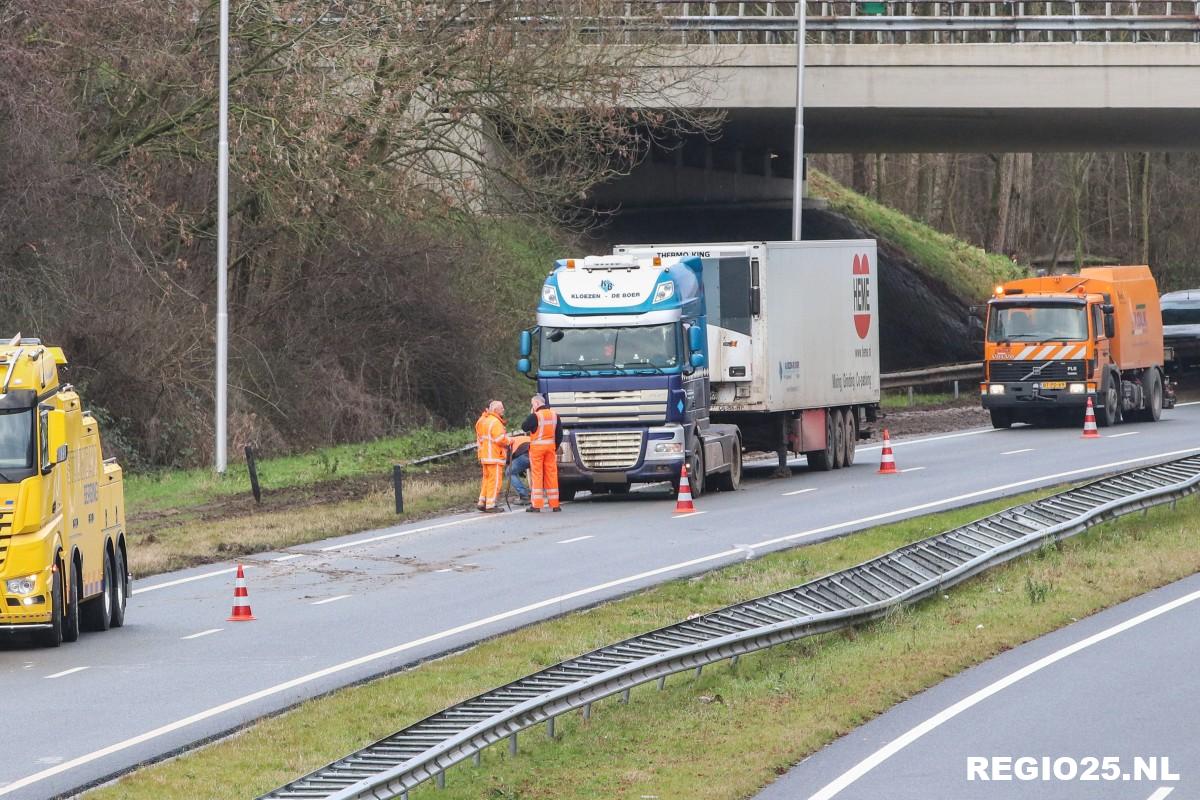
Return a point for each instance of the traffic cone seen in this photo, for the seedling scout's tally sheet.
(683, 505)
(1089, 422)
(887, 462)
(241, 600)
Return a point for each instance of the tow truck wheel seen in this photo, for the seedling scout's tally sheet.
(1108, 408)
(71, 618)
(1001, 418)
(97, 612)
(851, 425)
(120, 593)
(54, 636)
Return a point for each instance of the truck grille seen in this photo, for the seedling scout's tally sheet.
(1011, 371)
(601, 450)
(6, 518)
(616, 405)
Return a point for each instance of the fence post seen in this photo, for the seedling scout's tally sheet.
(398, 485)
(956, 390)
(252, 468)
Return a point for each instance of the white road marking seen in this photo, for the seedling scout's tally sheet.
(900, 742)
(1189, 403)
(906, 442)
(969, 496)
(288, 557)
(329, 600)
(799, 491)
(447, 569)
(1119, 435)
(397, 534)
(201, 633)
(1014, 452)
(1162, 792)
(71, 671)
(687, 514)
(302, 680)
(180, 581)
(912, 469)
(576, 539)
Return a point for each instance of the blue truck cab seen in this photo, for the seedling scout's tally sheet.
(621, 347)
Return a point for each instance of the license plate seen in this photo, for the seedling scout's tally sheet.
(1054, 385)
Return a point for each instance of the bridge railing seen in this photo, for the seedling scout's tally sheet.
(904, 22)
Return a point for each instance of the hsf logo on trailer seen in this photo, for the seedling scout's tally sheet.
(862, 295)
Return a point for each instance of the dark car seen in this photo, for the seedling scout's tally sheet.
(1181, 326)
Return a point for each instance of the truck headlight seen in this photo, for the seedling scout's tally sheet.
(668, 447)
(665, 291)
(21, 585)
(550, 295)
(996, 388)
(1077, 388)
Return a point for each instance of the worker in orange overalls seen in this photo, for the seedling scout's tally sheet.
(492, 442)
(545, 435)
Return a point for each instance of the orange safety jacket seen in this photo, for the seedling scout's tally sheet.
(547, 427)
(516, 442)
(491, 439)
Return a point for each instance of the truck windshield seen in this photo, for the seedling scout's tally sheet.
(16, 439)
(641, 347)
(1181, 315)
(1064, 322)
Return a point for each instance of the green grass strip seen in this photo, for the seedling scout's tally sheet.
(751, 722)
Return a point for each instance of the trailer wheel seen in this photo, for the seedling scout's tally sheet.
(54, 636)
(731, 481)
(96, 614)
(824, 459)
(839, 438)
(851, 437)
(1153, 390)
(120, 589)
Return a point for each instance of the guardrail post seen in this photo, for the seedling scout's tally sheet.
(441, 779)
(252, 468)
(398, 486)
(956, 390)
(587, 711)
(733, 662)
(699, 669)
(662, 682)
(477, 758)
(550, 728)
(911, 401)
(625, 697)
(512, 743)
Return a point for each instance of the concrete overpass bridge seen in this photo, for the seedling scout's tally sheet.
(946, 76)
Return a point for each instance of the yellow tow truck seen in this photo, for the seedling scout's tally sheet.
(63, 557)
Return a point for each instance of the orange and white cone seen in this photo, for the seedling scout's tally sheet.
(1089, 422)
(683, 505)
(887, 462)
(241, 600)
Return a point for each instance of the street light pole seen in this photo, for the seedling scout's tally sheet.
(798, 168)
(222, 242)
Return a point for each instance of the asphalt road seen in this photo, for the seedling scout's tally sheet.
(334, 612)
(1120, 685)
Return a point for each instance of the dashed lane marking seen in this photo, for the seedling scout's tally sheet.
(330, 600)
(1126, 433)
(1014, 452)
(288, 557)
(180, 581)
(397, 534)
(913, 469)
(687, 514)
(202, 633)
(799, 491)
(66, 672)
(576, 539)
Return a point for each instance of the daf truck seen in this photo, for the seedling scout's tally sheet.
(63, 556)
(659, 355)
(1052, 342)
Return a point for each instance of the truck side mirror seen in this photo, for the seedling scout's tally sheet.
(526, 346)
(697, 360)
(1110, 325)
(523, 366)
(55, 423)
(696, 342)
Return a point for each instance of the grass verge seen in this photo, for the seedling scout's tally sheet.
(776, 707)
(969, 271)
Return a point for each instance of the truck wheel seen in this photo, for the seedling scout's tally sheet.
(96, 614)
(1153, 390)
(851, 437)
(731, 481)
(1001, 418)
(824, 459)
(71, 617)
(54, 636)
(839, 439)
(120, 590)
(1108, 407)
(567, 493)
(696, 469)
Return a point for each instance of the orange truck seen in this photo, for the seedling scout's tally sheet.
(1051, 342)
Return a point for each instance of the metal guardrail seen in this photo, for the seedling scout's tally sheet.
(923, 377)
(424, 751)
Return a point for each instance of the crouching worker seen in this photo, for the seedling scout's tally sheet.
(546, 435)
(518, 465)
(492, 442)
